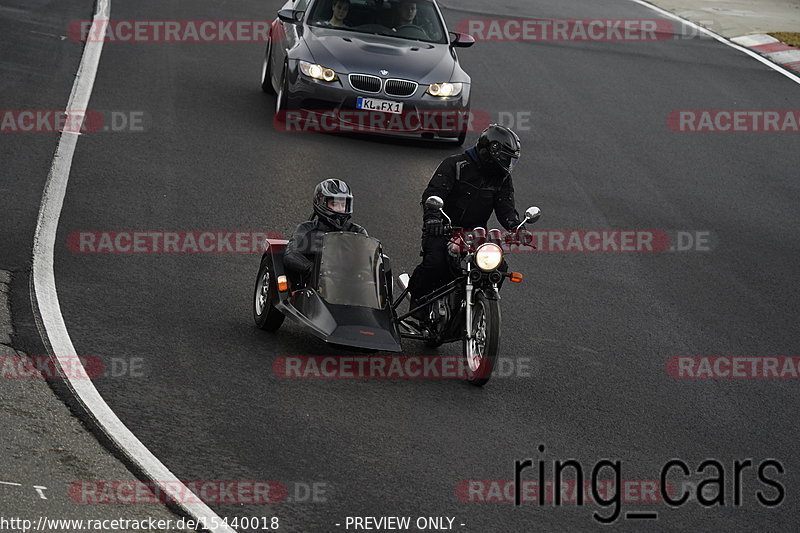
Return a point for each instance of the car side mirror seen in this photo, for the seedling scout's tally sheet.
(461, 40)
(291, 16)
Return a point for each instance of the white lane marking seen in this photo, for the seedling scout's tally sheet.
(11, 484)
(721, 39)
(755, 40)
(40, 491)
(46, 302)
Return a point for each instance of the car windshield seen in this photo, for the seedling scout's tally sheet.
(351, 270)
(412, 20)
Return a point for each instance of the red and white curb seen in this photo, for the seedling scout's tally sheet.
(789, 73)
(772, 49)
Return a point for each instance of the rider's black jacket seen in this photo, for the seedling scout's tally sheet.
(471, 193)
(306, 243)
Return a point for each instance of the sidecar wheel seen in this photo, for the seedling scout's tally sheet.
(264, 312)
(486, 327)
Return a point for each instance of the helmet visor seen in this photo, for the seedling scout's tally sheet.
(340, 204)
(508, 160)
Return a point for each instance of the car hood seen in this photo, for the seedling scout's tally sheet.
(348, 52)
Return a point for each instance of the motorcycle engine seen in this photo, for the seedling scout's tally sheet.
(440, 313)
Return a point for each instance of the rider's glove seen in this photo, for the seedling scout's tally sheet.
(525, 238)
(434, 227)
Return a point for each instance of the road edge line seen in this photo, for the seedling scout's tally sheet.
(46, 305)
(724, 40)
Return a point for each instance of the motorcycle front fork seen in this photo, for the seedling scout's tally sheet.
(468, 326)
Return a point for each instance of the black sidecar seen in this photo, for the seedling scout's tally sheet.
(347, 301)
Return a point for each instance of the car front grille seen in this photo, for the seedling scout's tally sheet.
(400, 87)
(365, 82)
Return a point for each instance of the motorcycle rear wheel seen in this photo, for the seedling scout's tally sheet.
(480, 359)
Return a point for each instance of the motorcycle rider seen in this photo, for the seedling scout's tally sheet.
(472, 185)
(333, 207)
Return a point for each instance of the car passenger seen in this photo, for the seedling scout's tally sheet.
(340, 9)
(405, 14)
(333, 206)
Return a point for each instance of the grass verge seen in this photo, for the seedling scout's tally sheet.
(788, 37)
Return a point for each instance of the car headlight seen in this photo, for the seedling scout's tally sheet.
(488, 256)
(318, 72)
(445, 89)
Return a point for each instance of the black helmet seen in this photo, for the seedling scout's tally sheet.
(337, 191)
(498, 148)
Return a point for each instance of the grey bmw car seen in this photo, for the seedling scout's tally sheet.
(375, 66)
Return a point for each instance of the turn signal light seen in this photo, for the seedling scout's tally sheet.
(515, 277)
(283, 284)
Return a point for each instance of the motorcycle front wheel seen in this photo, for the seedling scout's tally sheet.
(480, 352)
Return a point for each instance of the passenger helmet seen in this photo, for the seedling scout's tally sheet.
(333, 202)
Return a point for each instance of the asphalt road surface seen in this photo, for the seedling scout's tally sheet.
(588, 335)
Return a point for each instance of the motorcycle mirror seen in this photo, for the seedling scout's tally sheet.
(533, 214)
(434, 202)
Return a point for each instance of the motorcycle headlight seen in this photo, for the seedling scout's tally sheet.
(318, 72)
(488, 256)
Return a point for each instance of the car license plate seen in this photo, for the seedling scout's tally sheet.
(373, 104)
